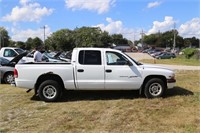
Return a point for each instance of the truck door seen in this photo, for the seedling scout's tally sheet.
(119, 73)
(90, 70)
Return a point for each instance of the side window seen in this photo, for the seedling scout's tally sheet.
(90, 57)
(114, 58)
(9, 53)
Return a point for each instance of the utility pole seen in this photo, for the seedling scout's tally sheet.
(142, 41)
(44, 27)
(174, 44)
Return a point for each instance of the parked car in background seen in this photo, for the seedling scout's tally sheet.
(10, 52)
(46, 57)
(7, 68)
(156, 54)
(166, 55)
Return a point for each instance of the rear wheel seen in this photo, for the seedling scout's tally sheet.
(154, 88)
(9, 78)
(49, 91)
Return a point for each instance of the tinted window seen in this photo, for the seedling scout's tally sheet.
(90, 57)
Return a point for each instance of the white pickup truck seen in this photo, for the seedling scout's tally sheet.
(10, 52)
(93, 69)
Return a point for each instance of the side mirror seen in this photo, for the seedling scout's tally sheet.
(124, 62)
(47, 60)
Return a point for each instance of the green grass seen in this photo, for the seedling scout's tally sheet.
(175, 61)
(109, 111)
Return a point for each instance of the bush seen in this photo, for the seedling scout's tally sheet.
(197, 54)
(189, 52)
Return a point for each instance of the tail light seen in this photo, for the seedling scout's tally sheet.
(15, 73)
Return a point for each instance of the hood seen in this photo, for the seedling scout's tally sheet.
(145, 66)
(16, 59)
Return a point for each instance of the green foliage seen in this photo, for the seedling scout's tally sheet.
(29, 43)
(20, 44)
(118, 39)
(189, 52)
(166, 39)
(4, 38)
(61, 40)
(66, 39)
(197, 54)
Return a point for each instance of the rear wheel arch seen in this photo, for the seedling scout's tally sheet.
(48, 76)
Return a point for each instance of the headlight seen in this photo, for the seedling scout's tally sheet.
(172, 76)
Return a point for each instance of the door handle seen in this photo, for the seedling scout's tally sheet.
(108, 71)
(80, 70)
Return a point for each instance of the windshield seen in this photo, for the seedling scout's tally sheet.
(3, 61)
(19, 50)
(49, 55)
(136, 62)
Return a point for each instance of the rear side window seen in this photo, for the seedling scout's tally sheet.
(90, 57)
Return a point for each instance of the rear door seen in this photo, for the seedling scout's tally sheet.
(90, 70)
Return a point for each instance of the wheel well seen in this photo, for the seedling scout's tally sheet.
(163, 78)
(48, 76)
(7, 73)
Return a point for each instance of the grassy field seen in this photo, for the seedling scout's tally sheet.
(112, 111)
(174, 61)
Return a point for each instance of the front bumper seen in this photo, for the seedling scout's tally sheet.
(171, 83)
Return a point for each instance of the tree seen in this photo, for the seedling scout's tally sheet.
(37, 42)
(61, 40)
(118, 39)
(89, 37)
(106, 39)
(29, 44)
(4, 38)
(164, 39)
(20, 44)
(191, 42)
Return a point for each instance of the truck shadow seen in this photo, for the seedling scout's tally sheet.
(98, 95)
(177, 91)
(70, 96)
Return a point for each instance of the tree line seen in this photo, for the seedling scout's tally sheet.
(66, 39)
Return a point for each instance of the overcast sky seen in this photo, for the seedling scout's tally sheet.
(25, 18)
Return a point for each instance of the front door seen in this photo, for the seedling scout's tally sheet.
(119, 74)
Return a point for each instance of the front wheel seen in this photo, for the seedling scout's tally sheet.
(49, 91)
(154, 88)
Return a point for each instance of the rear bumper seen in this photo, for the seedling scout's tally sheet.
(171, 83)
(13, 84)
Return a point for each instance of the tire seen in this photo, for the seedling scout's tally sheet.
(9, 78)
(154, 88)
(49, 91)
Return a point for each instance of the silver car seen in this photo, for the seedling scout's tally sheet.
(7, 68)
